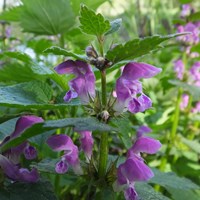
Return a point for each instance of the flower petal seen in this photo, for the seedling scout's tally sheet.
(146, 145)
(130, 193)
(61, 167)
(60, 142)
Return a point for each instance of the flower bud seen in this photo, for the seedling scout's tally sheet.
(91, 52)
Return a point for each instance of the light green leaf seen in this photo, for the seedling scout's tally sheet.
(192, 144)
(136, 48)
(44, 17)
(13, 14)
(192, 89)
(59, 51)
(91, 124)
(19, 56)
(173, 181)
(183, 194)
(146, 192)
(115, 25)
(33, 94)
(93, 24)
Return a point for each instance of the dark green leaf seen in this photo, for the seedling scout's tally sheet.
(172, 180)
(93, 24)
(115, 25)
(136, 48)
(42, 190)
(192, 89)
(194, 17)
(195, 48)
(78, 123)
(4, 194)
(146, 192)
(59, 51)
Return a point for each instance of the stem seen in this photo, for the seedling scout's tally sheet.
(103, 154)
(4, 28)
(176, 117)
(103, 88)
(101, 40)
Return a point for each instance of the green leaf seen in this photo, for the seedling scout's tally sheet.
(194, 17)
(146, 192)
(4, 194)
(173, 181)
(13, 14)
(93, 24)
(59, 51)
(44, 17)
(192, 89)
(195, 48)
(183, 194)
(91, 4)
(192, 144)
(18, 55)
(115, 25)
(41, 190)
(185, 1)
(91, 124)
(136, 48)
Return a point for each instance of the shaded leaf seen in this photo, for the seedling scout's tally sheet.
(80, 124)
(194, 17)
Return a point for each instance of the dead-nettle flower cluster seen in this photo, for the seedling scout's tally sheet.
(128, 96)
(191, 76)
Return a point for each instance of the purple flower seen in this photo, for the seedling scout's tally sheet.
(86, 143)
(196, 109)
(83, 85)
(195, 71)
(184, 101)
(179, 68)
(186, 9)
(10, 159)
(64, 143)
(129, 89)
(134, 169)
(192, 38)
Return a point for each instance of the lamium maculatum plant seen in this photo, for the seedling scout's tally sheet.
(91, 146)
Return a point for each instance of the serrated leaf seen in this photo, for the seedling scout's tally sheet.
(59, 51)
(47, 17)
(146, 192)
(92, 23)
(115, 25)
(41, 190)
(91, 124)
(136, 48)
(192, 89)
(171, 180)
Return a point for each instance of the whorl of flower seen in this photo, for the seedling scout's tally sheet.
(184, 101)
(64, 143)
(134, 169)
(83, 85)
(10, 159)
(192, 38)
(179, 68)
(129, 89)
(86, 143)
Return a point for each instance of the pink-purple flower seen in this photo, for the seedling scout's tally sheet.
(83, 85)
(186, 9)
(179, 68)
(129, 89)
(184, 101)
(87, 142)
(10, 159)
(134, 168)
(70, 157)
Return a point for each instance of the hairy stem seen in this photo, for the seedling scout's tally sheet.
(103, 88)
